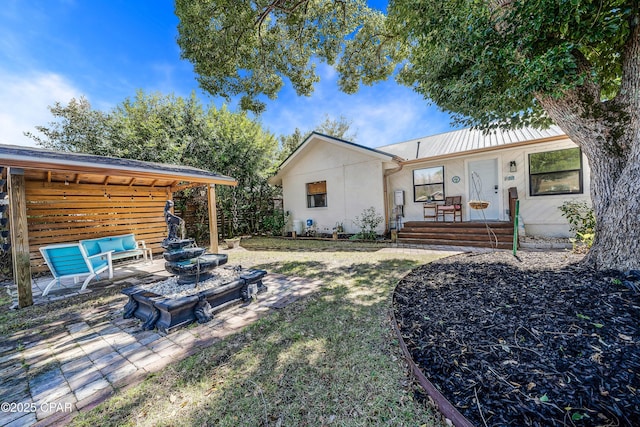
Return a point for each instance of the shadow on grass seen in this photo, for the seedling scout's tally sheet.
(327, 358)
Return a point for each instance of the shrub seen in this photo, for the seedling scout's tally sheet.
(582, 223)
(275, 223)
(368, 222)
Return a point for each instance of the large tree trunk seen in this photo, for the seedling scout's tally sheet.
(615, 186)
(609, 135)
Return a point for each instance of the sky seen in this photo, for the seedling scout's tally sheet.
(105, 50)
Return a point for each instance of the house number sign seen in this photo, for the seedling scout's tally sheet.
(455, 179)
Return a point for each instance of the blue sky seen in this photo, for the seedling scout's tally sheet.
(104, 50)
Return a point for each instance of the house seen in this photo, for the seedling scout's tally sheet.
(328, 181)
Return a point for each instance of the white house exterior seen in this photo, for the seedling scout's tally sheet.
(545, 167)
(353, 179)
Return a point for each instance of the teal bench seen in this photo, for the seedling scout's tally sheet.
(70, 260)
(124, 246)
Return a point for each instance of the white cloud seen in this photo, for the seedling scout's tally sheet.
(24, 100)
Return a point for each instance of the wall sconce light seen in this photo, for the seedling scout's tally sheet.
(512, 166)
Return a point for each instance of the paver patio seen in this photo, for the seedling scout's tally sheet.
(83, 366)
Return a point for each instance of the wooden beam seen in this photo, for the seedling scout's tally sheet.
(19, 236)
(106, 180)
(213, 219)
(49, 176)
(77, 181)
(133, 181)
(185, 186)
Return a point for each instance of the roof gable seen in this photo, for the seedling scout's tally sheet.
(316, 138)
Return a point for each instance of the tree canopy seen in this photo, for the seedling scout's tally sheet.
(248, 48)
(491, 62)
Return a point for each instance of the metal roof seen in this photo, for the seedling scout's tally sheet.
(467, 140)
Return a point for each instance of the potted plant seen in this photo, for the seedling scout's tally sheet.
(232, 242)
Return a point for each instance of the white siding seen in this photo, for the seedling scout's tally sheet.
(354, 183)
(540, 214)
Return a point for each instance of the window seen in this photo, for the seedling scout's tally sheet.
(428, 184)
(317, 194)
(555, 172)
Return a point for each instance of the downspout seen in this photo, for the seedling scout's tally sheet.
(385, 182)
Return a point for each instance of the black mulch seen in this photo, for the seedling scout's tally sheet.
(536, 340)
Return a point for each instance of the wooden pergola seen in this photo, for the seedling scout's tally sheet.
(57, 197)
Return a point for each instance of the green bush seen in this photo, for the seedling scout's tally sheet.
(582, 223)
(368, 222)
(276, 222)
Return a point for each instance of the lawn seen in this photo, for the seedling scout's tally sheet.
(329, 359)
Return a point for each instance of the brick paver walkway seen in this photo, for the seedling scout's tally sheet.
(45, 382)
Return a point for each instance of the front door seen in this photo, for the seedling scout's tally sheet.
(483, 185)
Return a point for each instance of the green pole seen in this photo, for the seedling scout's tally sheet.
(515, 228)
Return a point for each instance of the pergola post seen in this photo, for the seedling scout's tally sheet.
(213, 219)
(19, 235)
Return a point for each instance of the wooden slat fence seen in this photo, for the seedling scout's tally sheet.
(59, 213)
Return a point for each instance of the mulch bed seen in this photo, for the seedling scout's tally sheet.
(537, 340)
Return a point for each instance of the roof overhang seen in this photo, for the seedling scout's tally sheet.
(30, 158)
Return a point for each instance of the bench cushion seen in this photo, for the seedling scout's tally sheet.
(111, 245)
(128, 242)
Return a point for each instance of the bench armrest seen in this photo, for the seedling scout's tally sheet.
(109, 260)
(140, 243)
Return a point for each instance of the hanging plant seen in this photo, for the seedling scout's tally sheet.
(478, 204)
(477, 189)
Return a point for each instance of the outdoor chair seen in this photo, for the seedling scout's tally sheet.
(70, 260)
(453, 206)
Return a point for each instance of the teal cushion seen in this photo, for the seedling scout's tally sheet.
(128, 243)
(98, 263)
(111, 245)
(91, 247)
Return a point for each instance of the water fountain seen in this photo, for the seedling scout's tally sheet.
(196, 293)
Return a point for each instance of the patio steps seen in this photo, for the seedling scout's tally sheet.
(476, 234)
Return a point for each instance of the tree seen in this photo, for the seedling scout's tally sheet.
(149, 127)
(176, 130)
(248, 47)
(338, 128)
(78, 129)
(237, 146)
(506, 63)
(289, 143)
(514, 63)
(155, 127)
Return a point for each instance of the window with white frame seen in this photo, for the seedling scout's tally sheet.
(555, 172)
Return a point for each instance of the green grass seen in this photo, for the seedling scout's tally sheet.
(328, 359)
(314, 245)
